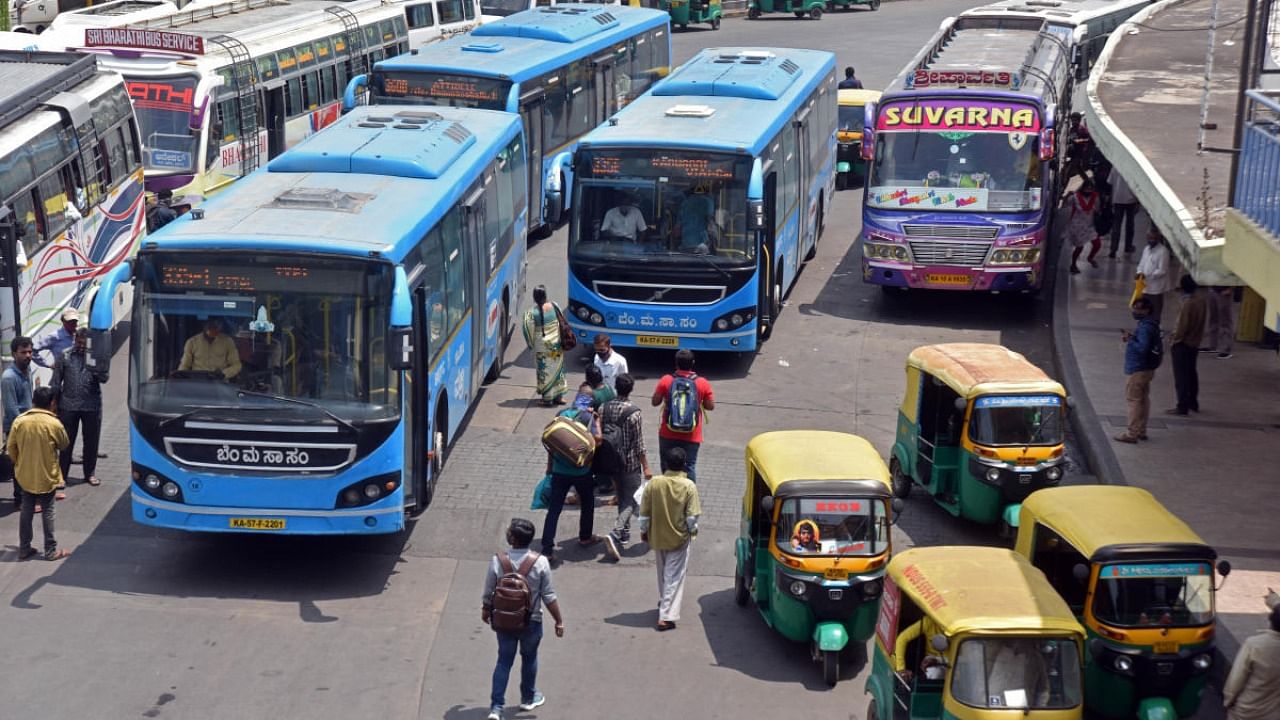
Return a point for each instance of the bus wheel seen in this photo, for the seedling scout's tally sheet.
(898, 480)
(816, 13)
(819, 224)
(496, 369)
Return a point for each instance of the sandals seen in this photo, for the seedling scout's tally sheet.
(665, 625)
(56, 555)
(589, 541)
(26, 554)
(59, 495)
(94, 481)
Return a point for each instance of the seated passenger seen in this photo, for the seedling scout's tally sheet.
(805, 537)
(624, 221)
(211, 352)
(697, 213)
(933, 664)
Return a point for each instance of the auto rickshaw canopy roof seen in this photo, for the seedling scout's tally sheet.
(790, 455)
(852, 96)
(974, 369)
(981, 589)
(1095, 518)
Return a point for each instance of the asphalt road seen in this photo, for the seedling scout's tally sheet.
(160, 624)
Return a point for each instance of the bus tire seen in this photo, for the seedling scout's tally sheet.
(819, 224)
(495, 369)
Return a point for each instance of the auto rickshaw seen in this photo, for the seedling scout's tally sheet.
(980, 429)
(973, 633)
(684, 12)
(1142, 583)
(800, 8)
(849, 162)
(814, 539)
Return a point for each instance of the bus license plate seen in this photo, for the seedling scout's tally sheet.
(1166, 647)
(257, 524)
(946, 279)
(836, 574)
(657, 341)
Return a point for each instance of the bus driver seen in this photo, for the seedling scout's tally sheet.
(625, 221)
(211, 352)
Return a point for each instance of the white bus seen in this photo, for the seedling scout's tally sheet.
(431, 20)
(209, 77)
(70, 187)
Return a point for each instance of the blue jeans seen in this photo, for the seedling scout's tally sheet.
(508, 643)
(560, 484)
(690, 454)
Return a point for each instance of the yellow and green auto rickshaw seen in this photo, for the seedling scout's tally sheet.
(800, 8)
(973, 633)
(1142, 583)
(849, 162)
(814, 539)
(683, 12)
(980, 429)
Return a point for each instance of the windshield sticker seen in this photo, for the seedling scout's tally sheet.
(959, 115)
(1017, 401)
(1153, 570)
(931, 198)
(1017, 140)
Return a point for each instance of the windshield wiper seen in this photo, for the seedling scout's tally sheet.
(711, 264)
(195, 409)
(297, 401)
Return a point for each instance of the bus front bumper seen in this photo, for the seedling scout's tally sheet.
(1005, 279)
(740, 339)
(372, 520)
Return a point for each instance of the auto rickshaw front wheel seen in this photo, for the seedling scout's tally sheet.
(753, 13)
(831, 667)
(873, 711)
(741, 593)
(816, 13)
(715, 23)
(898, 480)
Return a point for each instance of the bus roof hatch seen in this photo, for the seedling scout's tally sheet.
(374, 144)
(742, 73)
(556, 23)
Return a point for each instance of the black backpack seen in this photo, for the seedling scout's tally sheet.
(608, 458)
(512, 597)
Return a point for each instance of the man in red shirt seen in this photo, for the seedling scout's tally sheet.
(683, 427)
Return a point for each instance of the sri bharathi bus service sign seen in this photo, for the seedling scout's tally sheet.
(956, 115)
(139, 39)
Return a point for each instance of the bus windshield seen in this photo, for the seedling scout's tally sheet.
(422, 88)
(503, 8)
(1017, 420)
(1154, 594)
(165, 108)
(662, 205)
(287, 329)
(956, 171)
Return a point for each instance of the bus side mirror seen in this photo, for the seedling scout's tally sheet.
(1046, 144)
(766, 504)
(868, 148)
(1081, 573)
(400, 338)
(400, 348)
(98, 348)
(355, 88)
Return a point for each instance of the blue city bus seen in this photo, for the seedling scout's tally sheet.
(564, 69)
(729, 163)
(306, 344)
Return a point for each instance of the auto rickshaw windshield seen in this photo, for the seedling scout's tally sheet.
(1154, 594)
(833, 526)
(1026, 673)
(1017, 420)
(850, 118)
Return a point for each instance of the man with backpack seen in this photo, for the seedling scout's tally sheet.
(571, 471)
(516, 587)
(1143, 351)
(621, 453)
(162, 212)
(684, 397)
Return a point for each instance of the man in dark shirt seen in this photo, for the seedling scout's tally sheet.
(850, 81)
(79, 386)
(1142, 352)
(635, 470)
(1185, 346)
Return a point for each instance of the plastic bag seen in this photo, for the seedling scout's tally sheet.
(639, 496)
(542, 494)
(1139, 286)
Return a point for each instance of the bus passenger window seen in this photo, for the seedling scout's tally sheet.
(420, 16)
(329, 90)
(27, 223)
(450, 11)
(293, 106)
(58, 210)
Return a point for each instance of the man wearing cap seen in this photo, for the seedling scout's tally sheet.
(58, 341)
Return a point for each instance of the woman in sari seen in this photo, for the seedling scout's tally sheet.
(542, 333)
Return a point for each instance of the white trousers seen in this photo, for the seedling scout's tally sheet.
(672, 565)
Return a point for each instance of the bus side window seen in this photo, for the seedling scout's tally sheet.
(116, 155)
(27, 223)
(455, 268)
(433, 292)
(293, 98)
(311, 91)
(450, 11)
(230, 122)
(420, 16)
(469, 9)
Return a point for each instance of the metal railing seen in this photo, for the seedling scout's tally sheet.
(1258, 178)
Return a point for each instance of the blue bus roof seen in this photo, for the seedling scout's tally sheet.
(529, 43)
(374, 182)
(724, 99)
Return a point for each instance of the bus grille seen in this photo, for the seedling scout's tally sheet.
(955, 254)
(963, 232)
(656, 294)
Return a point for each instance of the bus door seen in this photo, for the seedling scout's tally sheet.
(770, 294)
(274, 113)
(477, 272)
(414, 394)
(531, 115)
(606, 91)
(808, 227)
(10, 320)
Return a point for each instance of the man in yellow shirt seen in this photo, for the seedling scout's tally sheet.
(211, 351)
(35, 442)
(668, 521)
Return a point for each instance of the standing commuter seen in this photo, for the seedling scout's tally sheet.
(1142, 354)
(1220, 334)
(542, 333)
(1154, 270)
(610, 361)
(35, 440)
(685, 399)
(1184, 346)
(850, 81)
(623, 414)
(668, 522)
(55, 342)
(564, 476)
(1126, 211)
(15, 389)
(1252, 689)
(79, 389)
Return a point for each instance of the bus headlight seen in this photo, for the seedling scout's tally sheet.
(169, 489)
(372, 491)
(722, 324)
(152, 482)
(1014, 256)
(368, 490)
(597, 318)
(585, 313)
(1000, 257)
(733, 319)
(1202, 661)
(900, 253)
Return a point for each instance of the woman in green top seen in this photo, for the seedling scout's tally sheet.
(542, 333)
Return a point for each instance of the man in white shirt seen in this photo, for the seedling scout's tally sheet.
(610, 362)
(1154, 269)
(1126, 211)
(624, 221)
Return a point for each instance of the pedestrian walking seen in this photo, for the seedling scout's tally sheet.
(1184, 346)
(1154, 271)
(1220, 333)
(1252, 690)
(79, 388)
(15, 393)
(1080, 149)
(50, 346)
(850, 81)
(685, 398)
(628, 443)
(1143, 350)
(1125, 205)
(668, 522)
(565, 476)
(35, 440)
(1085, 204)
(610, 362)
(542, 334)
(503, 608)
